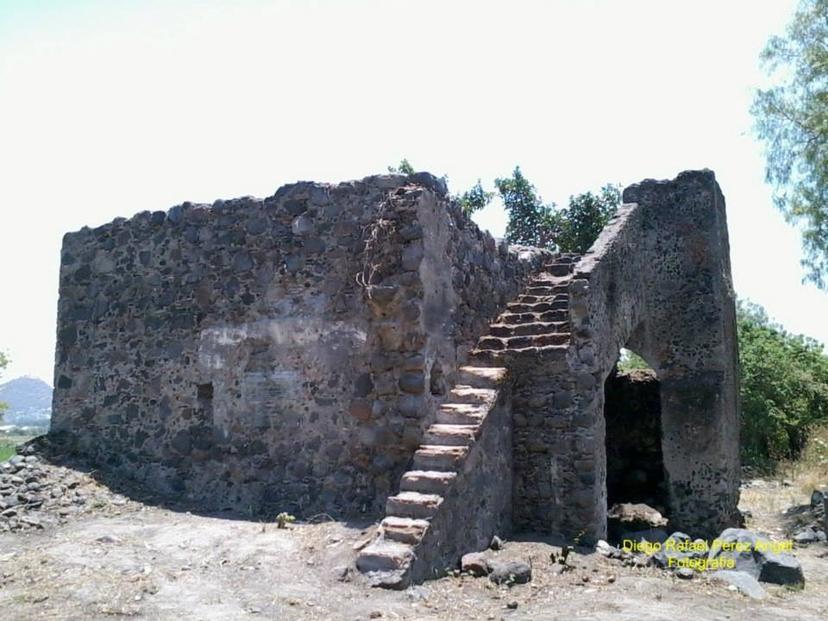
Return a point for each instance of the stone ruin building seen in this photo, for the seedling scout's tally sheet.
(364, 350)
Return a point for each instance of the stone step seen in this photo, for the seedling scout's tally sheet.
(413, 505)
(537, 307)
(481, 377)
(568, 257)
(450, 434)
(462, 413)
(502, 344)
(427, 481)
(445, 458)
(548, 289)
(557, 316)
(560, 269)
(523, 329)
(536, 340)
(403, 530)
(491, 342)
(384, 555)
(467, 394)
(515, 318)
(546, 299)
(489, 356)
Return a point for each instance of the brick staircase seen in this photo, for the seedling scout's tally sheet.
(536, 323)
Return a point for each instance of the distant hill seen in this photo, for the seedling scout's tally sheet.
(29, 400)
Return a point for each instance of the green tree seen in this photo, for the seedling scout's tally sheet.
(784, 387)
(578, 225)
(792, 120)
(403, 168)
(531, 222)
(474, 199)
(573, 228)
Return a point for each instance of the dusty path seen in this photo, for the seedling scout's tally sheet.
(135, 561)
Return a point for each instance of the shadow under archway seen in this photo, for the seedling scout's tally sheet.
(635, 471)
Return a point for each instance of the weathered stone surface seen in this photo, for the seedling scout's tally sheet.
(757, 556)
(743, 550)
(281, 352)
(474, 563)
(741, 581)
(303, 350)
(657, 281)
(781, 569)
(509, 571)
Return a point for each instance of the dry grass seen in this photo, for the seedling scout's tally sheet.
(791, 486)
(811, 471)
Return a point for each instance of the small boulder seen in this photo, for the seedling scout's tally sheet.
(808, 535)
(630, 517)
(474, 563)
(677, 549)
(740, 581)
(782, 569)
(737, 547)
(756, 556)
(605, 549)
(509, 572)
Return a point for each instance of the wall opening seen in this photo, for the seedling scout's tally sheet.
(204, 392)
(635, 462)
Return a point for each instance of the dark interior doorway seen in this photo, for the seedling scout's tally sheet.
(635, 463)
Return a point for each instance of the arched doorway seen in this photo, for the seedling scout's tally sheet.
(635, 471)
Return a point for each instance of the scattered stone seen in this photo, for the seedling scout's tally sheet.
(755, 555)
(497, 543)
(107, 539)
(631, 517)
(808, 535)
(509, 572)
(512, 605)
(417, 593)
(678, 550)
(782, 569)
(685, 573)
(605, 549)
(475, 563)
(741, 581)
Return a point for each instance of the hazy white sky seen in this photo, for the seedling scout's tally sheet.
(111, 107)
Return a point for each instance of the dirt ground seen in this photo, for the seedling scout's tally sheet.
(127, 559)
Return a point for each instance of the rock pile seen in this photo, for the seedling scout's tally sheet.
(815, 528)
(739, 557)
(34, 493)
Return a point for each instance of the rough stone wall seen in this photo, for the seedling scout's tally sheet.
(688, 335)
(285, 352)
(657, 280)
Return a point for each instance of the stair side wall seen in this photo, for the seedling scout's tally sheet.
(479, 504)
